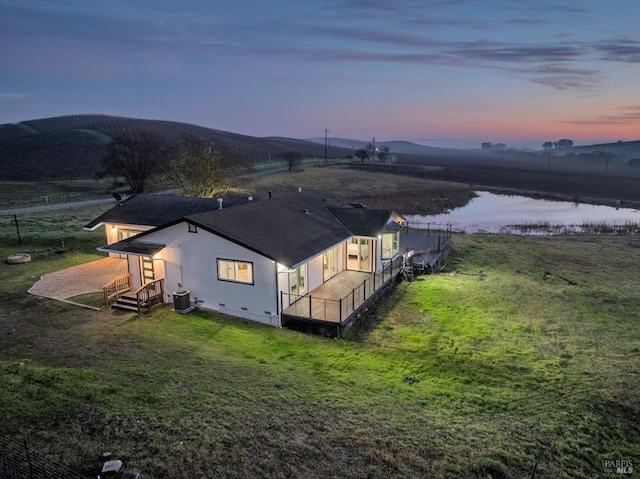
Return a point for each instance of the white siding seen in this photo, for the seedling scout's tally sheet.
(191, 260)
(315, 270)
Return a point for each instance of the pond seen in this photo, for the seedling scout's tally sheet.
(492, 213)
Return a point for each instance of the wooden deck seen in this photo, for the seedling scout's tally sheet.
(323, 303)
(333, 307)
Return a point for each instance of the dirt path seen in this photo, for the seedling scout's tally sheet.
(56, 206)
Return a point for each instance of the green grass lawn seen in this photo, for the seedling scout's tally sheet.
(488, 368)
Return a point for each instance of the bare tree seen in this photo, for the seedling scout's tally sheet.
(138, 156)
(205, 167)
(362, 154)
(292, 158)
(384, 153)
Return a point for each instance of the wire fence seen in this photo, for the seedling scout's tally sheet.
(19, 461)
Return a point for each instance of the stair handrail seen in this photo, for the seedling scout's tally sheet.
(117, 286)
(143, 293)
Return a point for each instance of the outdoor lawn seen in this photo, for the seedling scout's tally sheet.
(488, 368)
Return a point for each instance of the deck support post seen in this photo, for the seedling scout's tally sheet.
(310, 310)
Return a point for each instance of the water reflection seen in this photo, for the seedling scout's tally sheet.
(491, 213)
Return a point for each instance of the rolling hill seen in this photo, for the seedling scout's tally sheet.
(72, 147)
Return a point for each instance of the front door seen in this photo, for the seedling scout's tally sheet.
(146, 269)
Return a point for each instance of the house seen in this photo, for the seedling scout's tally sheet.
(298, 261)
(142, 212)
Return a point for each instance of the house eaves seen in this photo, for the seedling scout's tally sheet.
(151, 210)
(133, 247)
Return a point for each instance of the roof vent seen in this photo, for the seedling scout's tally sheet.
(120, 198)
(306, 211)
(299, 189)
(220, 200)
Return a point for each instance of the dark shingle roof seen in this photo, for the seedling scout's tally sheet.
(288, 229)
(363, 221)
(155, 210)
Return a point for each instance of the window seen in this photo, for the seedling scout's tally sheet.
(358, 257)
(330, 263)
(193, 228)
(298, 280)
(236, 271)
(389, 245)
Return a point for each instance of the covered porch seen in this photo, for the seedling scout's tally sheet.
(143, 285)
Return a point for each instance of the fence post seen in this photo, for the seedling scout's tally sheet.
(26, 448)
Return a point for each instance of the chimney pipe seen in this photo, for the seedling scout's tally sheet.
(220, 200)
(299, 189)
(269, 195)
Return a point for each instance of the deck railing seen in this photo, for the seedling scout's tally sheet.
(339, 310)
(150, 294)
(115, 288)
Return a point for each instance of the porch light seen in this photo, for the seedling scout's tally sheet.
(114, 229)
(379, 237)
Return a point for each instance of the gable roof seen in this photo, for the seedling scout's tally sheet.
(363, 221)
(155, 210)
(288, 229)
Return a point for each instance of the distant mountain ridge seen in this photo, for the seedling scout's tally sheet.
(396, 146)
(73, 146)
(629, 148)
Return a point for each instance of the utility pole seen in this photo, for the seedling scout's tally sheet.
(373, 149)
(326, 132)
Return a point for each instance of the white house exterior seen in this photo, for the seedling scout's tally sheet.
(254, 260)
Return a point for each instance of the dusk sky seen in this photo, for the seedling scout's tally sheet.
(500, 71)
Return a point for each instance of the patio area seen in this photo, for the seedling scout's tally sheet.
(82, 279)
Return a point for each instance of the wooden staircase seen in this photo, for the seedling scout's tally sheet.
(129, 302)
(136, 301)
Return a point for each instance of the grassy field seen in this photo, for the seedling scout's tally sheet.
(15, 194)
(487, 369)
(376, 190)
